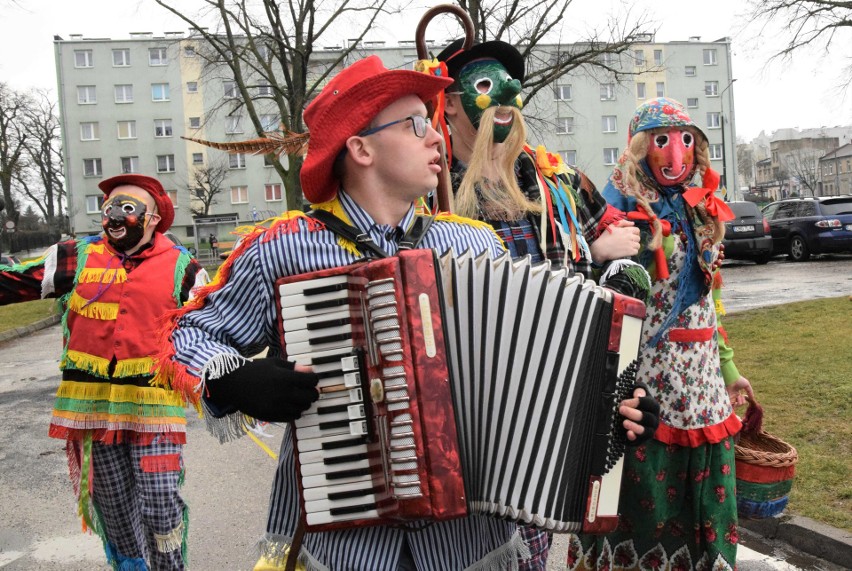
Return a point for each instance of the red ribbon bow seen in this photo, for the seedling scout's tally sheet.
(659, 254)
(715, 207)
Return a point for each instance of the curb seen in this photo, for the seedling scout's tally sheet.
(811, 537)
(29, 329)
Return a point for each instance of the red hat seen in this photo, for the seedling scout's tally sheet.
(152, 186)
(346, 106)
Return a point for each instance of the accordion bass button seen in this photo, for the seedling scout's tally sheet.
(377, 390)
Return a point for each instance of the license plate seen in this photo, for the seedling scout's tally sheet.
(743, 228)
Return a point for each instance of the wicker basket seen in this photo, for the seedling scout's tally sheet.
(766, 466)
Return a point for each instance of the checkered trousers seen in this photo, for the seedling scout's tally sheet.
(539, 544)
(135, 491)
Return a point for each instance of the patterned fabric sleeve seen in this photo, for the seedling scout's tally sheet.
(51, 275)
(590, 208)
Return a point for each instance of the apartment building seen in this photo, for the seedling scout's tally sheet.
(835, 172)
(126, 103)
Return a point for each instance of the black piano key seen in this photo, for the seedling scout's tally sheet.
(334, 424)
(330, 338)
(353, 509)
(345, 458)
(330, 374)
(343, 474)
(326, 304)
(329, 323)
(354, 441)
(330, 358)
(333, 409)
(334, 496)
(325, 289)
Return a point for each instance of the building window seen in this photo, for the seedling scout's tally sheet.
(89, 132)
(173, 196)
(639, 57)
(269, 122)
(607, 91)
(714, 120)
(124, 93)
(609, 59)
(564, 125)
(689, 71)
(237, 161)
(608, 124)
(230, 89)
(129, 165)
(711, 88)
(264, 90)
(232, 124)
(94, 203)
(83, 58)
(263, 52)
(569, 156)
(640, 91)
(239, 195)
(195, 122)
(165, 163)
(158, 56)
(267, 162)
(658, 57)
(192, 87)
(121, 57)
(86, 95)
(610, 155)
(159, 92)
(273, 192)
(692, 102)
(189, 51)
(127, 129)
(92, 167)
(562, 92)
(661, 89)
(710, 57)
(715, 152)
(162, 127)
(198, 158)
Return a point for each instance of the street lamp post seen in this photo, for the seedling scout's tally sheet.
(722, 125)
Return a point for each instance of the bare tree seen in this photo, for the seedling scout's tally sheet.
(205, 186)
(802, 165)
(272, 45)
(42, 180)
(13, 106)
(745, 163)
(821, 23)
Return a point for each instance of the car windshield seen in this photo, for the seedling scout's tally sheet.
(837, 207)
(744, 209)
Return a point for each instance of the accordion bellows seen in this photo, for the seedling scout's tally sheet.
(459, 385)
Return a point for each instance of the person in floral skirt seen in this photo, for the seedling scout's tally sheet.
(678, 503)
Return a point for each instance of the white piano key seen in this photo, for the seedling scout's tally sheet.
(321, 455)
(344, 396)
(308, 335)
(316, 443)
(322, 493)
(326, 505)
(317, 468)
(299, 287)
(299, 323)
(307, 347)
(355, 428)
(353, 412)
(322, 481)
(321, 518)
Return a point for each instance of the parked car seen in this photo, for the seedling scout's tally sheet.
(747, 237)
(804, 226)
(8, 260)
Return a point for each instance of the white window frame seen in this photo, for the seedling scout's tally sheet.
(714, 120)
(192, 87)
(607, 91)
(641, 92)
(569, 156)
(242, 194)
(87, 59)
(658, 58)
(609, 123)
(130, 129)
(162, 128)
(715, 151)
(124, 59)
(123, 89)
(263, 52)
(158, 57)
(563, 92)
(264, 90)
(129, 165)
(87, 90)
(165, 163)
(198, 158)
(275, 189)
(692, 103)
(709, 57)
(229, 87)
(711, 88)
(173, 196)
(269, 122)
(90, 131)
(236, 161)
(195, 122)
(690, 71)
(610, 155)
(610, 59)
(639, 57)
(661, 89)
(94, 203)
(96, 170)
(565, 125)
(233, 124)
(189, 51)
(164, 87)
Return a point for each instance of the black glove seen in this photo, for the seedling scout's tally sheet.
(623, 284)
(266, 389)
(650, 415)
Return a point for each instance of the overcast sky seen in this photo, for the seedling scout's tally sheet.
(801, 93)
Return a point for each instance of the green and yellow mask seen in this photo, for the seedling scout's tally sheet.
(486, 83)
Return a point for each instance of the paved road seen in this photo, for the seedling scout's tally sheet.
(227, 485)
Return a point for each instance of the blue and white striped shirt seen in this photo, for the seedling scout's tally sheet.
(239, 320)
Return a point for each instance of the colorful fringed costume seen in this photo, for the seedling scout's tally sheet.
(678, 505)
(119, 425)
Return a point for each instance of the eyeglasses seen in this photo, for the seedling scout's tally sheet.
(418, 123)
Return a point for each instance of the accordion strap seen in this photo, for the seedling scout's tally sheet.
(411, 240)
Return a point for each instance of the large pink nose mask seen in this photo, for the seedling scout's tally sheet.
(671, 156)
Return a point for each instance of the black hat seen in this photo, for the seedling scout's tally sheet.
(505, 53)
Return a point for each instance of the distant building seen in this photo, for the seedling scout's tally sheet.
(835, 170)
(125, 104)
